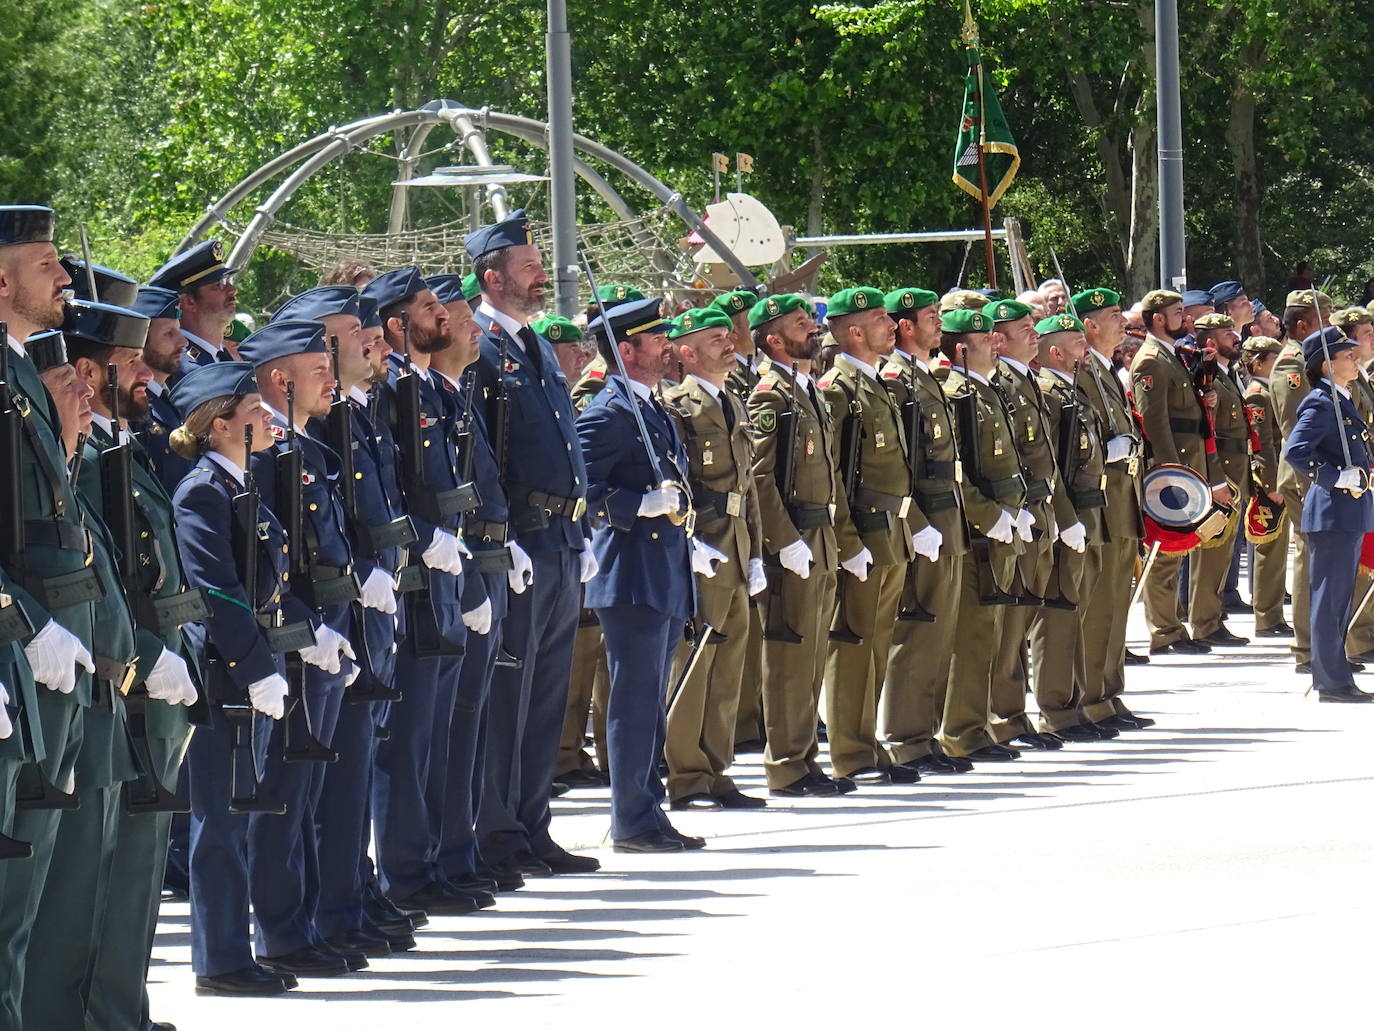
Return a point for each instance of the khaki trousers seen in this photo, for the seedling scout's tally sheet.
(1009, 672)
(1268, 579)
(588, 688)
(913, 694)
(792, 678)
(1161, 600)
(1110, 570)
(854, 673)
(701, 721)
(1207, 569)
(967, 703)
(749, 714)
(1057, 653)
(1360, 637)
(1302, 624)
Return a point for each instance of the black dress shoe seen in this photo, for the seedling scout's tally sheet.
(381, 910)
(844, 785)
(355, 959)
(994, 754)
(1136, 659)
(903, 774)
(1105, 730)
(531, 865)
(1117, 723)
(248, 981)
(1040, 742)
(649, 841)
(1344, 693)
(175, 895)
(749, 746)
(698, 801)
(870, 776)
(690, 843)
(558, 789)
(1355, 667)
(561, 861)
(1303, 668)
(933, 765)
(1279, 629)
(161, 1025)
(306, 962)
(1234, 604)
(1133, 721)
(1223, 638)
(581, 779)
(1079, 734)
(396, 940)
(473, 882)
(1183, 646)
(441, 899)
(370, 945)
(737, 799)
(811, 785)
(506, 876)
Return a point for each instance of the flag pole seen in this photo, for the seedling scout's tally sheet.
(970, 34)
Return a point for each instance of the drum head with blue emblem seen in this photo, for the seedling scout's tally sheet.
(1176, 497)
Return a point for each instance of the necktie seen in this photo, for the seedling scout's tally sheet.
(727, 405)
(531, 343)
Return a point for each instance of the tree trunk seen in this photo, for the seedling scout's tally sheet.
(1118, 200)
(1142, 243)
(1249, 188)
(815, 207)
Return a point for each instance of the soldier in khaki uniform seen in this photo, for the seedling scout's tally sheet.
(1058, 657)
(798, 507)
(994, 495)
(715, 432)
(1305, 312)
(1014, 336)
(1209, 564)
(869, 450)
(1110, 568)
(1173, 423)
(913, 696)
(1269, 571)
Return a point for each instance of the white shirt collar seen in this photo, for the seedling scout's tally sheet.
(641, 390)
(976, 375)
(282, 419)
(212, 348)
(862, 366)
(1168, 345)
(1106, 362)
(156, 389)
(503, 320)
(1018, 366)
(803, 379)
(104, 423)
(228, 465)
(707, 386)
(1062, 375)
(18, 346)
(1343, 391)
(357, 393)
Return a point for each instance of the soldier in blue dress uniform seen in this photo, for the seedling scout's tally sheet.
(1339, 509)
(546, 485)
(207, 296)
(643, 593)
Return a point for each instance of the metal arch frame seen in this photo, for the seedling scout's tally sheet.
(469, 124)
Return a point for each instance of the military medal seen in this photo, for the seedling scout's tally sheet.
(708, 457)
(878, 439)
(810, 447)
(996, 448)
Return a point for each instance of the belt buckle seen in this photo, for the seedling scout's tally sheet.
(579, 509)
(734, 503)
(904, 508)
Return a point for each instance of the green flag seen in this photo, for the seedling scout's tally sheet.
(983, 123)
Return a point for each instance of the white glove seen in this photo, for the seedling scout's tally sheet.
(54, 653)
(927, 543)
(660, 502)
(170, 680)
(268, 695)
(354, 671)
(705, 557)
(858, 565)
(6, 726)
(590, 567)
(758, 580)
(379, 591)
(1349, 479)
(1075, 536)
(796, 558)
(1024, 522)
(1005, 527)
(329, 645)
(479, 619)
(521, 574)
(444, 553)
(1119, 448)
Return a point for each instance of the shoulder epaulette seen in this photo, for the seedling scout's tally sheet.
(890, 372)
(827, 380)
(596, 373)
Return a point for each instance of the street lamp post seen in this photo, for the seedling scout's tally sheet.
(562, 186)
(1173, 265)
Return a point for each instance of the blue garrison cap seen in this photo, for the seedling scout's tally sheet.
(1192, 297)
(1255, 308)
(25, 223)
(155, 302)
(106, 324)
(207, 382)
(47, 349)
(632, 317)
(203, 263)
(1226, 292)
(319, 302)
(447, 288)
(281, 340)
(1336, 341)
(367, 312)
(512, 232)
(110, 286)
(396, 286)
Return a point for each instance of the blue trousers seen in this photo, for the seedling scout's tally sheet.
(640, 643)
(1332, 558)
(525, 711)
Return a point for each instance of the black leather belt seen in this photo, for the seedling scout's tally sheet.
(941, 471)
(1192, 427)
(809, 517)
(1232, 446)
(410, 578)
(485, 530)
(1004, 489)
(936, 501)
(896, 504)
(436, 506)
(57, 533)
(1086, 499)
(111, 670)
(1037, 490)
(550, 504)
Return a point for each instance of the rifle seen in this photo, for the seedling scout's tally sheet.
(288, 466)
(916, 466)
(776, 627)
(240, 715)
(850, 445)
(11, 431)
(966, 418)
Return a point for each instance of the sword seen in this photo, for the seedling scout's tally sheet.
(708, 635)
(1144, 572)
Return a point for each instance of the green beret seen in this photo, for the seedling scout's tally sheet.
(556, 329)
(1006, 311)
(238, 331)
(1214, 320)
(697, 319)
(1158, 300)
(855, 299)
(735, 302)
(962, 320)
(909, 298)
(1064, 323)
(1095, 299)
(617, 292)
(471, 288)
(775, 307)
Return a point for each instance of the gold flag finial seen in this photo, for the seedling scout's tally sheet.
(970, 32)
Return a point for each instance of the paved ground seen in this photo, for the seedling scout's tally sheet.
(1212, 871)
